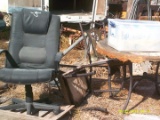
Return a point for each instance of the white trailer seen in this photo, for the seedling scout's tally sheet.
(69, 10)
(7, 7)
(10, 6)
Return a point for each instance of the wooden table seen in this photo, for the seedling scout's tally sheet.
(133, 57)
(127, 58)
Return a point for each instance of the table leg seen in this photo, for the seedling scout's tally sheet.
(130, 87)
(157, 81)
(124, 76)
(109, 81)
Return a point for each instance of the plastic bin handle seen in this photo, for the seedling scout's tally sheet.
(112, 24)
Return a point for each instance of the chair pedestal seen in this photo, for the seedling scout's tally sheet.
(29, 105)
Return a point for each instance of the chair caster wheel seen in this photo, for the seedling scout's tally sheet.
(56, 110)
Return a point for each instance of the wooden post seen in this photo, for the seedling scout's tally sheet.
(129, 7)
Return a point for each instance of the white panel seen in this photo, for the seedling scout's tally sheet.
(4, 6)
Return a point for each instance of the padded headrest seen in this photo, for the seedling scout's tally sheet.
(35, 21)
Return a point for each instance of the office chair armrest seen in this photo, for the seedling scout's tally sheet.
(9, 58)
(58, 58)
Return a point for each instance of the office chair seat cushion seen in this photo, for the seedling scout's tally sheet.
(25, 76)
(32, 55)
(35, 21)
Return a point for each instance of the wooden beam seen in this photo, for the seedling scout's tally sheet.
(7, 115)
(42, 115)
(154, 18)
(65, 110)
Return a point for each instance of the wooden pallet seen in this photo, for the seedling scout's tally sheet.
(42, 115)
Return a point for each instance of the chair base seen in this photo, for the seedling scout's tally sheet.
(20, 105)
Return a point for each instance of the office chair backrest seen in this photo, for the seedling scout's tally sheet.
(34, 38)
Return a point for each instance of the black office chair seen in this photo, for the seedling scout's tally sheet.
(32, 56)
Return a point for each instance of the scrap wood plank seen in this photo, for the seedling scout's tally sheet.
(8, 115)
(43, 115)
(65, 110)
(154, 18)
(51, 116)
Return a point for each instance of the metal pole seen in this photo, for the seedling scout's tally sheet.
(130, 87)
(42, 5)
(74, 44)
(149, 10)
(94, 12)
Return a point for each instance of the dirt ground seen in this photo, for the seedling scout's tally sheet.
(99, 106)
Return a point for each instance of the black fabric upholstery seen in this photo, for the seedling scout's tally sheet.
(25, 76)
(32, 54)
(35, 21)
(34, 42)
(45, 46)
